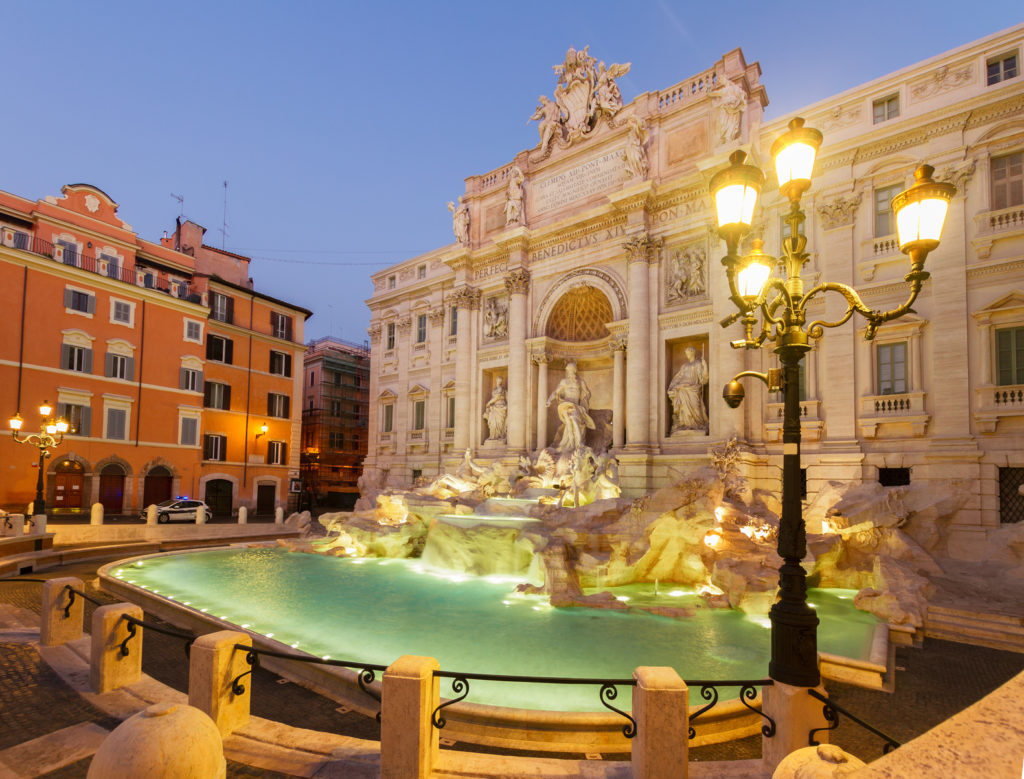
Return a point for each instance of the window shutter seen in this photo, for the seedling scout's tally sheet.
(287, 365)
(67, 298)
(270, 404)
(92, 304)
(231, 311)
(227, 397)
(229, 351)
(88, 360)
(287, 406)
(65, 356)
(108, 365)
(181, 378)
(206, 395)
(207, 440)
(288, 327)
(201, 385)
(209, 347)
(129, 370)
(283, 454)
(84, 428)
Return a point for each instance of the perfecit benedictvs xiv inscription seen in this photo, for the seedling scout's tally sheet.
(587, 179)
(578, 243)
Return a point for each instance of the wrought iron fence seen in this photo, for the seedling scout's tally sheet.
(748, 692)
(134, 623)
(831, 713)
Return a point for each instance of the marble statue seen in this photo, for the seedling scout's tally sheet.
(607, 96)
(495, 319)
(730, 99)
(636, 153)
(496, 411)
(686, 275)
(514, 197)
(686, 391)
(460, 221)
(573, 397)
(549, 115)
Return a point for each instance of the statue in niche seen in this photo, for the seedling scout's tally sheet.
(686, 275)
(495, 319)
(636, 153)
(573, 397)
(496, 412)
(730, 99)
(460, 221)
(514, 197)
(550, 117)
(686, 391)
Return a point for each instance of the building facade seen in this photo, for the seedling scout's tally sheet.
(598, 248)
(127, 339)
(335, 418)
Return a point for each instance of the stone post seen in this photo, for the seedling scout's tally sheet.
(108, 668)
(200, 515)
(618, 392)
(243, 515)
(640, 250)
(408, 739)
(214, 663)
(151, 514)
(541, 360)
(54, 627)
(96, 514)
(278, 516)
(661, 710)
(795, 714)
(517, 282)
(13, 525)
(38, 525)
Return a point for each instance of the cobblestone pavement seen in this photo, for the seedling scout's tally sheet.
(932, 683)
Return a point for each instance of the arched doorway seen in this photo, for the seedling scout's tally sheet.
(218, 497)
(157, 487)
(69, 483)
(112, 488)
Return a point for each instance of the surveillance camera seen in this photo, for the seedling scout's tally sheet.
(733, 394)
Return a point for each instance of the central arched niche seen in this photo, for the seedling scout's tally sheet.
(581, 314)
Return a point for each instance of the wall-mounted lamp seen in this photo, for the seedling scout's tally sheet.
(262, 432)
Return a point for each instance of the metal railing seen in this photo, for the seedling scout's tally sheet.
(134, 623)
(748, 692)
(460, 686)
(831, 713)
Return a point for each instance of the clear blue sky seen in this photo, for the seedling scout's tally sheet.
(343, 128)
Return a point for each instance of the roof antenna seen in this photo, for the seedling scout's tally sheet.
(181, 204)
(224, 221)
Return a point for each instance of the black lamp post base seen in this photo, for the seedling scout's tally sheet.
(794, 645)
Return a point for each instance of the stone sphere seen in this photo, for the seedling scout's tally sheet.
(165, 741)
(821, 762)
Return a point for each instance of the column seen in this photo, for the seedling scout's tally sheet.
(541, 360)
(465, 299)
(403, 414)
(435, 414)
(639, 251)
(517, 282)
(618, 392)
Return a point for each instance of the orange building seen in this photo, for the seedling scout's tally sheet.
(127, 339)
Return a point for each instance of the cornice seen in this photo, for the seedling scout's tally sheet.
(989, 269)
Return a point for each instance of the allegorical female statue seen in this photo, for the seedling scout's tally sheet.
(496, 412)
(686, 391)
(573, 396)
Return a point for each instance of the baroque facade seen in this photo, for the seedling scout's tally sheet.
(598, 247)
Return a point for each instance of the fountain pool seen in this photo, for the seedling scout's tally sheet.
(374, 610)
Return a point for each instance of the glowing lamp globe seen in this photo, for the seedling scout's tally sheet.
(62, 426)
(51, 428)
(794, 153)
(757, 266)
(736, 190)
(15, 422)
(45, 409)
(921, 211)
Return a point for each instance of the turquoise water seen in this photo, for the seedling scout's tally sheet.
(374, 610)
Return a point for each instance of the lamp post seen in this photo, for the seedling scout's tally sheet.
(780, 303)
(50, 435)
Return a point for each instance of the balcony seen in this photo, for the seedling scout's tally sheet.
(137, 275)
(991, 404)
(995, 226)
(811, 425)
(905, 408)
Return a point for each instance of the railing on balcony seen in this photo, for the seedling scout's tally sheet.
(137, 275)
(904, 407)
(993, 403)
(811, 424)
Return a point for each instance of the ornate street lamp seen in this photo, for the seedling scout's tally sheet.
(50, 435)
(781, 304)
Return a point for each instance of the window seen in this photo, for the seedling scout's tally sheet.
(886, 108)
(113, 265)
(419, 409)
(421, 272)
(193, 331)
(892, 368)
(1007, 181)
(1002, 67)
(277, 453)
(214, 447)
(222, 308)
(1011, 496)
(453, 321)
(75, 358)
(117, 424)
(417, 474)
(389, 418)
(191, 379)
(894, 477)
(451, 412)
(312, 378)
(120, 312)
(70, 252)
(219, 349)
(189, 432)
(78, 417)
(280, 326)
(336, 440)
(20, 240)
(1010, 355)
(278, 405)
(390, 335)
(118, 366)
(280, 363)
(335, 408)
(421, 328)
(82, 302)
(217, 395)
(391, 282)
(885, 219)
(337, 379)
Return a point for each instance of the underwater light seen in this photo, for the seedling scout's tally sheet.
(677, 593)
